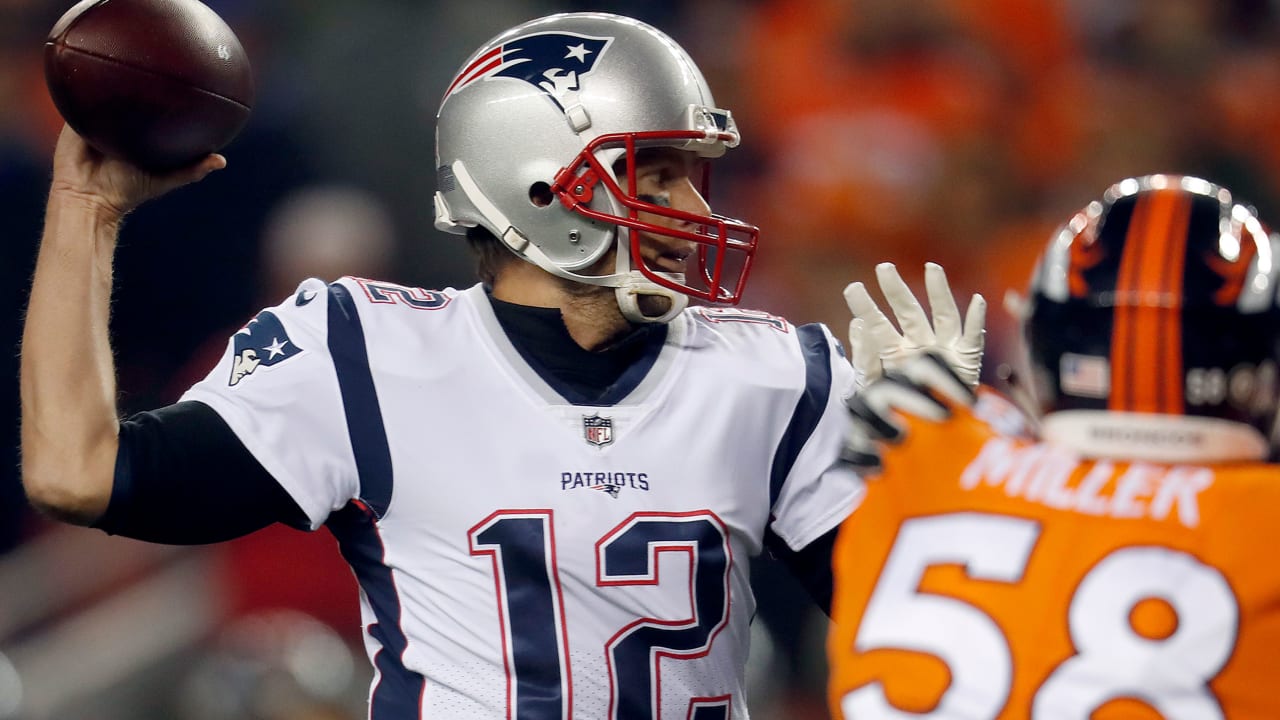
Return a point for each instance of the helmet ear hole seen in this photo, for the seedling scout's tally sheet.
(540, 194)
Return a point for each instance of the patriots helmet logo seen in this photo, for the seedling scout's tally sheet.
(553, 62)
(262, 342)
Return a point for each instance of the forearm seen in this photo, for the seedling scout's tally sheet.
(69, 417)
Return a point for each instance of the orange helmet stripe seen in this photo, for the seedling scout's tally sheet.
(1175, 260)
(1121, 333)
(1146, 342)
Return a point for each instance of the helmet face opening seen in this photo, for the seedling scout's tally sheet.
(1159, 299)
(725, 248)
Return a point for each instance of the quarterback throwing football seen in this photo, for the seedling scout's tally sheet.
(550, 484)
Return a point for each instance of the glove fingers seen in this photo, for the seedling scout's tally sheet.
(878, 329)
(880, 406)
(911, 316)
(872, 413)
(946, 316)
(974, 321)
(860, 449)
(863, 353)
(931, 374)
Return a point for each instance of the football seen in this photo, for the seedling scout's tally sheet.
(159, 83)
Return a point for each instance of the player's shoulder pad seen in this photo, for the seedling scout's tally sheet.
(772, 348)
(742, 325)
(303, 310)
(763, 337)
(304, 299)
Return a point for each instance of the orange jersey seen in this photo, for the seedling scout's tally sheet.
(987, 576)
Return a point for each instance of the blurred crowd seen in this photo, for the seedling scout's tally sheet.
(955, 131)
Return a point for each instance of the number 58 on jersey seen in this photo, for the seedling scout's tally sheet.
(983, 578)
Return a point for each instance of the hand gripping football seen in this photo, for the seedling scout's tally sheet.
(159, 83)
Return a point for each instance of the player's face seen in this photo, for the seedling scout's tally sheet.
(667, 177)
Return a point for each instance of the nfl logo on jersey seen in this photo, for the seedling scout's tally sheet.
(598, 430)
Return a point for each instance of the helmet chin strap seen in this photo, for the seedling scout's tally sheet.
(629, 285)
(636, 285)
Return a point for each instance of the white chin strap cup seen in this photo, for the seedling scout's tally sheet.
(635, 285)
(638, 286)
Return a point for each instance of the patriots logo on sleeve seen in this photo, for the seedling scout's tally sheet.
(263, 342)
(555, 63)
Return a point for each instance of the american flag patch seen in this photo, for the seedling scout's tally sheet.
(1084, 375)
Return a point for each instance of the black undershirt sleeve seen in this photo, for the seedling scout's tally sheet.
(811, 565)
(183, 478)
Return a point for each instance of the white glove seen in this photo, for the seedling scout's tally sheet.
(875, 346)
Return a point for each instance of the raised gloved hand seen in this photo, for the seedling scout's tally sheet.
(925, 386)
(875, 345)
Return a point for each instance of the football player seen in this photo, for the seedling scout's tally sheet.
(549, 485)
(1108, 568)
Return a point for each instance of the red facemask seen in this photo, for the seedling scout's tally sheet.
(726, 247)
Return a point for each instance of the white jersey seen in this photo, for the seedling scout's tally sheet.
(520, 556)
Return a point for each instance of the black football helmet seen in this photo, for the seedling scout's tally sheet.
(1158, 305)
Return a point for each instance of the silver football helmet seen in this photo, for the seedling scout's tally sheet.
(532, 127)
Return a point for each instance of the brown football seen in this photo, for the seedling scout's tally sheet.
(160, 83)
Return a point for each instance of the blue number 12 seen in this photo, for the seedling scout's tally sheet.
(521, 544)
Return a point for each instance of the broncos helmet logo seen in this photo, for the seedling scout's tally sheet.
(263, 342)
(1234, 272)
(553, 62)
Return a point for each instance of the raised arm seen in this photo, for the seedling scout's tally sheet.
(69, 417)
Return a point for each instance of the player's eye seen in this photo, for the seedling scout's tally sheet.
(651, 177)
(667, 174)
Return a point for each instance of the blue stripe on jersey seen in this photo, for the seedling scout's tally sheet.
(809, 409)
(398, 694)
(360, 399)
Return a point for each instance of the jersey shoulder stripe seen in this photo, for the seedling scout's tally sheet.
(809, 408)
(360, 401)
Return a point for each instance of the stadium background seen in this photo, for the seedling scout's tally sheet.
(959, 131)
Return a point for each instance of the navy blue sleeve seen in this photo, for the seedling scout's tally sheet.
(811, 565)
(183, 478)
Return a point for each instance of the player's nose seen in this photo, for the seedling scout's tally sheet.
(685, 197)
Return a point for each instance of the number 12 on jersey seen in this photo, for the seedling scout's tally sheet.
(522, 546)
(1111, 659)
